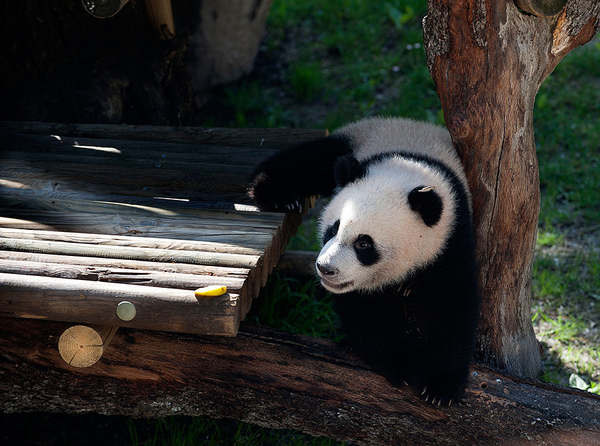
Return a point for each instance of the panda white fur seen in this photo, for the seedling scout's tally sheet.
(398, 245)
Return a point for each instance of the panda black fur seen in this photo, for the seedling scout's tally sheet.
(398, 245)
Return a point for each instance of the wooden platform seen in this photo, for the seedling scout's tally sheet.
(95, 215)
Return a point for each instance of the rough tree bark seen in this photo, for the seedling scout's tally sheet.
(281, 380)
(488, 60)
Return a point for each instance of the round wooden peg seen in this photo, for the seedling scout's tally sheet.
(83, 346)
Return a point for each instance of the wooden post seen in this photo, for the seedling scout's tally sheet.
(488, 59)
(83, 346)
(160, 13)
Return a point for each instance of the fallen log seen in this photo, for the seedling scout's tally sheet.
(280, 380)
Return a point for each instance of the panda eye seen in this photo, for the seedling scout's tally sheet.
(363, 242)
(366, 251)
(331, 232)
(335, 228)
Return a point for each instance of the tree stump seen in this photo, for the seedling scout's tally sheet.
(488, 60)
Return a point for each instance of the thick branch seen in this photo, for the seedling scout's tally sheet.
(279, 380)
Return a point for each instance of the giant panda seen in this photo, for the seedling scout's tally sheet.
(398, 245)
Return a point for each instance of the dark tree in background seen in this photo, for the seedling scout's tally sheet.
(60, 63)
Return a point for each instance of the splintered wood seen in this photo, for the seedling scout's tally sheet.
(92, 216)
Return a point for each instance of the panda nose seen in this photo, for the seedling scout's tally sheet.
(326, 270)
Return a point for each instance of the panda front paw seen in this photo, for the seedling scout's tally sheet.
(271, 195)
(441, 393)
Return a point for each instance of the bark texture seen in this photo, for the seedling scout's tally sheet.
(281, 380)
(488, 60)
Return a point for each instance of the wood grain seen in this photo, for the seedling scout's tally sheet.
(71, 300)
(86, 222)
(488, 60)
(223, 137)
(282, 380)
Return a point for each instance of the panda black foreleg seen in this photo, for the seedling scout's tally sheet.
(285, 179)
(443, 366)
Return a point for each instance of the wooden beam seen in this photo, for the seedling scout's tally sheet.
(228, 137)
(281, 380)
(160, 14)
(167, 309)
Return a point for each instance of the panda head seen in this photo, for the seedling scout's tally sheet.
(388, 220)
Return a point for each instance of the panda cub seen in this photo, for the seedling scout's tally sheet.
(398, 245)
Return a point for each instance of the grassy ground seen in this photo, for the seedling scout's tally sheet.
(323, 64)
(566, 310)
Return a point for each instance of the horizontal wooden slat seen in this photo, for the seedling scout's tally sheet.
(129, 241)
(132, 253)
(120, 275)
(162, 309)
(99, 262)
(257, 138)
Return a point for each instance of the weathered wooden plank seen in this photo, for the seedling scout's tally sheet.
(132, 253)
(256, 138)
(252, 240)
(27, 147)
(132, 241)
(120, 275)
(121, 179)
(98, 262)
(282, 380)
(153, 216)
(135, 212)
(144, 222)
(70, 300)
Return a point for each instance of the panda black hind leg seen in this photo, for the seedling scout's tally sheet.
(285, 179)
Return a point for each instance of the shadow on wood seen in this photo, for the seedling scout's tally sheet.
(280, 380)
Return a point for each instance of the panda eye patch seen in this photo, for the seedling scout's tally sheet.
(331, 232)
(365, 249)
(363, 243)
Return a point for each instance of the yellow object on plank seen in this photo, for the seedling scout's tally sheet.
(210, 291)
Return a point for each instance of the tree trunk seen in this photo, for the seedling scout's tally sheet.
(60, 63)
(488, 60)
(280, 380)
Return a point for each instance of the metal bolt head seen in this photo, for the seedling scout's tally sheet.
(126, 311)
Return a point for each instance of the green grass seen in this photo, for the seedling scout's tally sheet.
(296, 307)
(324, 64)
(567, 126)
(204, 431)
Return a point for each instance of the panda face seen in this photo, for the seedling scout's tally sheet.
(380, 229)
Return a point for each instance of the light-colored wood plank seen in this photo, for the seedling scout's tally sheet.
(132, 253)
(120, 275)
(161, 309)
(98, 262)
(129, 241)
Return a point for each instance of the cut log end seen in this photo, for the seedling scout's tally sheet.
(83, 346)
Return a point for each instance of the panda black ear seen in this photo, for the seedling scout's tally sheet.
(426, 202)
(348, 169)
